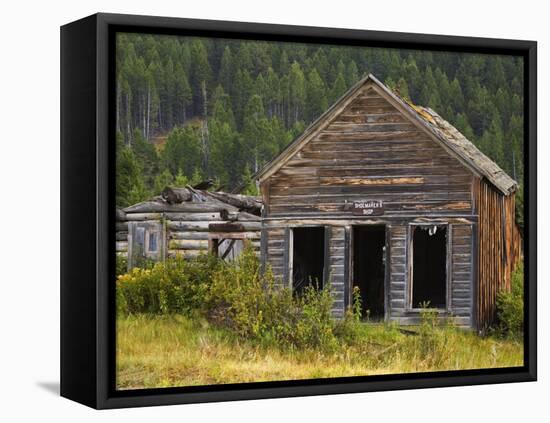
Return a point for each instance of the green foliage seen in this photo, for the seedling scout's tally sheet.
(240, 297)
(175, 286)
(432, 336)
(180, 180)
(163, 180)
(357, 304)
(182, 150)
(130, 185)
(510, 306)
(121, 265)
(250, 187)
(251, 303)
(259, 95)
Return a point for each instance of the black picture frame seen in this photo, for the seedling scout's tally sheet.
(87, 210)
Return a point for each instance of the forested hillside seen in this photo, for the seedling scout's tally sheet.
(193, 108)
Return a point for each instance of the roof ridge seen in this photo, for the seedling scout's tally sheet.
(430, 121)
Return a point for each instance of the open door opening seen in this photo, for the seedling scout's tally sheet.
(429, 284)
(308, 258)
(369, 268)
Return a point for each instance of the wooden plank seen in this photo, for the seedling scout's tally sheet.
(250, 235)
(188, 235)
(287, 257)
(187, 244)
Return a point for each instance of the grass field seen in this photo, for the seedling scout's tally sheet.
(166, 351)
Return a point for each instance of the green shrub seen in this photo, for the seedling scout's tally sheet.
(255, 307)
(510, 306)
(348, 330)
(121, 265)
(241, 297)
(176, 286)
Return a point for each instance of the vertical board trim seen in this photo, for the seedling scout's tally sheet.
(347, 265)
(326, 258)
(287, 258)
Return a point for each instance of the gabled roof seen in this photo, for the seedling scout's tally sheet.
(434, 125)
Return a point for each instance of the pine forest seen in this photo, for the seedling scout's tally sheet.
(190, 109)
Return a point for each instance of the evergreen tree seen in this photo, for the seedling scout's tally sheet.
(183, 94)
(183, 150)
(317, 101)
(248, 183)
(163, 180)
(164, 83)
(146, 156)
(338, 89)
(201, 74)
(180, 180)
(297, 91)
(130, 187)
(352, 73)
(226, 70)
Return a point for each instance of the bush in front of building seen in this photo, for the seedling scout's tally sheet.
(174, 286)
(250, 302)
(238, 296)
(510, 306)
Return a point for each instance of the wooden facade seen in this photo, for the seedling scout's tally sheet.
(374, 160)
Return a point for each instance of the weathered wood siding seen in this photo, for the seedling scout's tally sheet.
(398, 252)
(121, 246)
(460, 295)
(186, 234)
(275, 252)
(337, 264)
(370, 151)
(460, 282)
(500, 248)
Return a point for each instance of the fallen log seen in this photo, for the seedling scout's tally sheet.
(176, 195)
(242, 202)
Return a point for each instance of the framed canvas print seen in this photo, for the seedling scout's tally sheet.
(255, 211)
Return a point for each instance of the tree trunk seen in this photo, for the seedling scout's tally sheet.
(118, 105)
(147, 131)
(204, 129)
(128, 119)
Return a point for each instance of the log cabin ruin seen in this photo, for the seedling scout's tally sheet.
(378, 194)
(388, 197)
(187, 221)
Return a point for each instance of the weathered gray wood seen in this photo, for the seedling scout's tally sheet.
(120, 215)
(246, 203)
(328, 258)
(236, 226)
(369, 159)
(207, 216)
(187, 226)
(121, 246)
(249, 235)
(159, 207)
(287, 257)
(140, 217)
(188, 235)
(187, 244)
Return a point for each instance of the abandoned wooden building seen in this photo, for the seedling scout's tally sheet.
(187, 221)
(387, 196)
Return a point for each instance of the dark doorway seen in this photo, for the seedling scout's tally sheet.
(369, 268)
(429, 285)
(308, 258)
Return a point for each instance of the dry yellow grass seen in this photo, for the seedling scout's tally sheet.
(167, 351)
